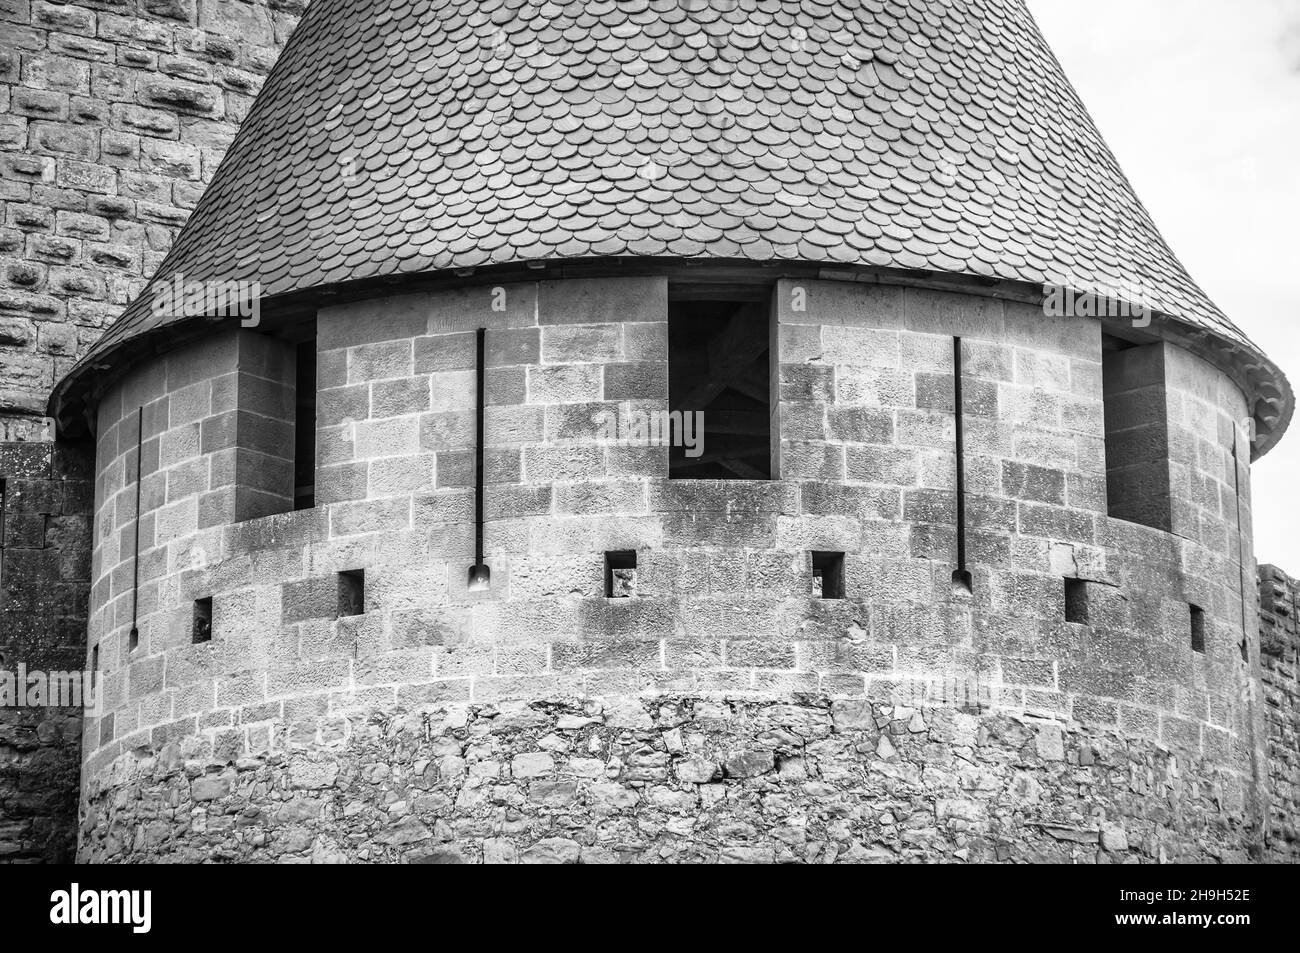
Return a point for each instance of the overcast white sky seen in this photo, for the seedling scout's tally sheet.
(1200, 101)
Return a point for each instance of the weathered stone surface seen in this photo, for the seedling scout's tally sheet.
(552, 850)
(1049, 743)
(44, 578)
(209, 789)
(100, 161)
(409, 830)
(532, 765)
(834, 799)
(39, 772)
(749, 764)
(1114, 838)
(141, 127)
(696, 770)
(1279, 660)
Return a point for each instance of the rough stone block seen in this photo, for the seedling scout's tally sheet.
(492, 307)
(565, 384)
(602, 300)
(368, 322)
(375, 516)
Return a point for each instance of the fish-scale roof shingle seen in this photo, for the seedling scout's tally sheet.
(402, 136)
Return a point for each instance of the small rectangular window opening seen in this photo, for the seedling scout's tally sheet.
(201, 628)
(720, 383)
(1198, 629)
(304, 428)
(94, 659)
(620, 574)
(1076, 601)
(352, 592)
(828, 575)
(133, 639)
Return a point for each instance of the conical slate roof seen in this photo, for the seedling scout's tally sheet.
(403, 136)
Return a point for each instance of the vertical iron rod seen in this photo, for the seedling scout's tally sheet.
(135, 584)
(959, 409)
(478, 450)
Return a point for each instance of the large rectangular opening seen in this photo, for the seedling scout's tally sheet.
(720, 373)
(1137, 432)
(304, 427)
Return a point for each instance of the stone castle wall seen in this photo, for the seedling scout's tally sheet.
(45, 537)
(292, 713)
(721, 691)
(115, 114)
(113, 117)
(675, 778)
(1279, 639)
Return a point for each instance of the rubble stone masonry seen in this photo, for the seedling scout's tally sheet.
(676, 778)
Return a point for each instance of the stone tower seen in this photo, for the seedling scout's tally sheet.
(954, 562)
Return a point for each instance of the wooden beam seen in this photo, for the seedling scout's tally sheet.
(751, 423)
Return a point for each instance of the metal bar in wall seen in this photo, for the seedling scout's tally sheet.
(962, 574)
(135, 568)
(480, 575)
(481, 363)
